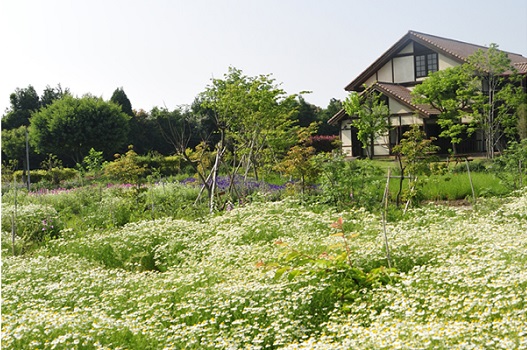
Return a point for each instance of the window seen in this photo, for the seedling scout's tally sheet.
(425, 64)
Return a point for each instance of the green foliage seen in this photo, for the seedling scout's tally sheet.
(93, 161)
(451, 92)
(50, 177)
(255, 116)
(370, 115)
(119, 98)
(14, 143)
(478, 89)
(417, 151)
(34, 223)
(125, 168)
(70, 127)
(24, 102)
(298, 162)
(414, 153)
(494, 106)
(511, 166)
(522, 120)
(344, 182)
(335, 267)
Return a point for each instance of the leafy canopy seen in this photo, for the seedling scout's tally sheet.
(71, 126)
(370, 115)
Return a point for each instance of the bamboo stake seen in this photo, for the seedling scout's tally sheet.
(470, 179)
(385, 201)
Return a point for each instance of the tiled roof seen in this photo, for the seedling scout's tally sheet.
(521, 67)
(403, 94)
(457, 50)
(397, 92)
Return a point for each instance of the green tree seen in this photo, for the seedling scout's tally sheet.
(414, 154)
(325, 114)
(145, 134)
(254, 115)
(370, 115)
(495, 104)
(24, 102)
(51, 94)
(119, 97)
(451, 92)
(14, 144)
(307, 113)
(298, 161)
(71, 126)
(522, 121)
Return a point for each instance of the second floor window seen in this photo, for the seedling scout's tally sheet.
(425, 64)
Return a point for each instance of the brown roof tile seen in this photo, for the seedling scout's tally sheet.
(404, 95)
(521, 67)
(397, 92)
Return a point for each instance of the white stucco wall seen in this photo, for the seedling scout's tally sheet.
(411, 120)
(385, 73)
(397, 108)
(403, 69)
(371, 80)
(446, 62)
(408, 48)
(380, 145)
(345, 137)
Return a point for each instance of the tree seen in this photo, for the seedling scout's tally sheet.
(417, 151)
(253, 114)
(324, 115)
(14, 144)
(495, 104)
(119, 97)
(307, 113)
(298, 161)
(522, 121)
(451, 92)
(23, 103)
(370, 115)
(71, 126)
(51, 94)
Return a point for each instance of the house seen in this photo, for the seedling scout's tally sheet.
(394, 74)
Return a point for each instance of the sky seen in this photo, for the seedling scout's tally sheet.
(165, 52)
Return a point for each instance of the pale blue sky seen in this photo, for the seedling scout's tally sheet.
(165, 52)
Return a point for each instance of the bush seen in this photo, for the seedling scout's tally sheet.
(53, 176)
(34, 222)
(510, 167)
(345, 182)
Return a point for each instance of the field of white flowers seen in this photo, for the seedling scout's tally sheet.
(175, 284)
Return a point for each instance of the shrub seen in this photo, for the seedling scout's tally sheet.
(53, 176)
(34, 222)
(345, 182)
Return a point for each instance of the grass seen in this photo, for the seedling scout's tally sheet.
(455, 186)
(198, 283)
